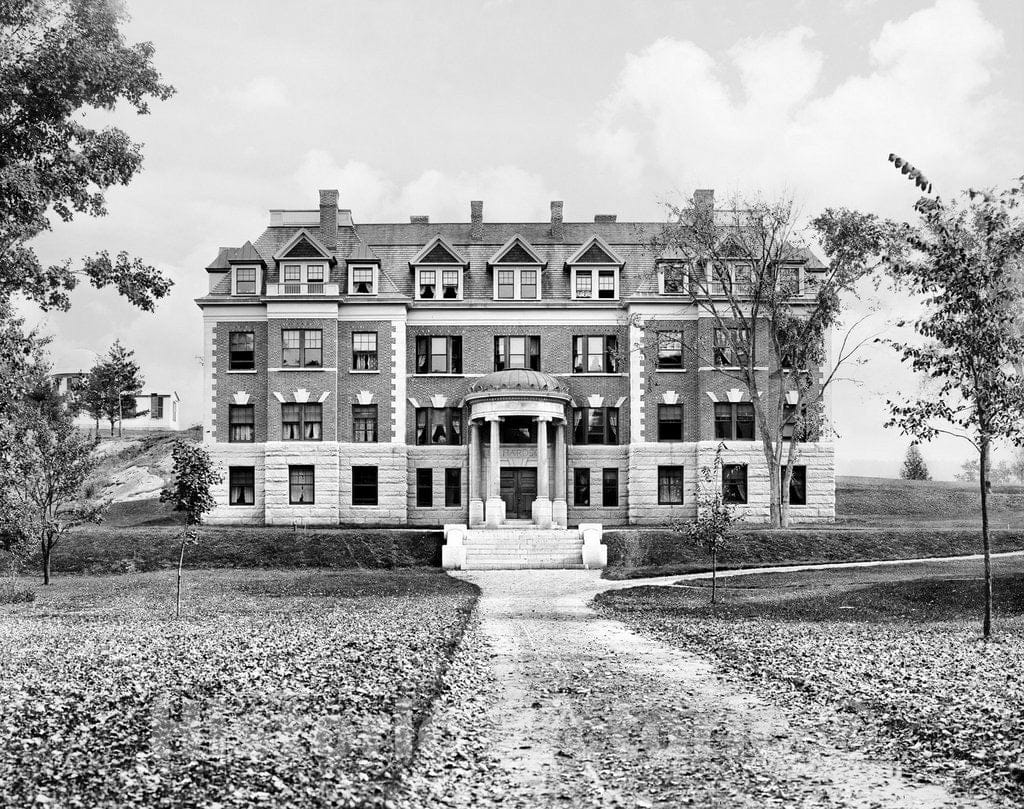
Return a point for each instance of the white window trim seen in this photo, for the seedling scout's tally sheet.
(304, 266)
(661, 275)
(439, 269)
(376, 279)
(234, 278)
(517, 281)
(594, 270)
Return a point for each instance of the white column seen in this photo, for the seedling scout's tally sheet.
(495, 505)
(559, 507)
(542, 505)
(476, 472)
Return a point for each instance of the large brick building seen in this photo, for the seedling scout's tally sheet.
(428, 373)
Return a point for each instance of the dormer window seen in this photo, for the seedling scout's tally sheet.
(673, 276)
(602, 284)
(517, 271)
(363, 280)
(595, 271)
(438, 271)
(245, 280)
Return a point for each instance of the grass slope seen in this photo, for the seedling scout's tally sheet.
(897, 650)
(276, 689)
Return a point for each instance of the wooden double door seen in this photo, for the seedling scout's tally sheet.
(518, 490)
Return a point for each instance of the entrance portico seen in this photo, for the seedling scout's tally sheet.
(526, 402)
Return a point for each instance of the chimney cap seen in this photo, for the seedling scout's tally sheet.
(605, 218)
(329, 196)
(419, 219)
(704, 196)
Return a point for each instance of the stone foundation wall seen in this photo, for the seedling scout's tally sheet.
(597, 458)
(392, 484)
(438, 459)
(223, 457)
(644, 460)
(323, 457)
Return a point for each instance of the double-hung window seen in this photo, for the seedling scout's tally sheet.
(424, 487)
(241, 351)
(595, 425)
(363, 280)
(245, 280)
(302, 422)
(734, 421)
(302, 348)
(670, 350)
(670, 422)
(241, 485)
(734, 483)
(592, 284)
(528, 285)
(428, 284)
(364, 424)
(301, 485)
(450, 284)
(241, 424)
(584, 284)
(797, 485)
(364, 485)
(438, 425)
(595, 354)
(452, 487)
(790, 426)
(364, 351)
(670, 485)
(610, 487)
(581, 487)
(674, 277)
(731, 344)
(789, 280)
(515, 351)
(439, 355)
(516, 283)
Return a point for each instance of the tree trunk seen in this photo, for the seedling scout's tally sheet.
(714, 573)
(181, 561)
(986, 630)
(46, 560)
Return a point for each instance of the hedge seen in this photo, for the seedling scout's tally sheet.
(119, 550)
(655, 552)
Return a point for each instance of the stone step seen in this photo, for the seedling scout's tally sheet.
(525, 565)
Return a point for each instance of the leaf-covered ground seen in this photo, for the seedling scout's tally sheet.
(897, 649)
(274, 689)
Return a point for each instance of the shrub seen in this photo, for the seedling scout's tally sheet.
(16, 595)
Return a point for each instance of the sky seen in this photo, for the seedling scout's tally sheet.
(613, 107)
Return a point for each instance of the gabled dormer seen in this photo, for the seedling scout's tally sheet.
(303, 265)
(438, 270)
(595, 269)
(517, 271)
(363, 272)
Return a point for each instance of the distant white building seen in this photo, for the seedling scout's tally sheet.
(152, 412)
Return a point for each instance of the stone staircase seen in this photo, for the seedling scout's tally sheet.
(516, 547)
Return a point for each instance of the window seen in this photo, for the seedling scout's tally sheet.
(302, 348)
(670, 422)
(315, 273)
(789, 281)
(245, 280)
(789, 423)
(595, 354)
(364, 424)
(241, 351)
(364, 485)
(450, 284)
(721, 279)
(670, 485)
(734, 421)
(156, 408)
(438, 425)
(292, 272)
(595, 425)
(734, 483)
(581, 487)
(670, 350)
(428, 284)
(302, 422)
(516, 430)
(506, 285)
(363, 280)
(439, 355)
(241, 485)
(797, 485)
(516, 352)
(674, 275)
(742, 277)
(241, 424)
(584, 284)
(725, 354)
(424, 488)
(528, 285)
(364, 351)
(301, 488)
(610, 487)
(452, 488)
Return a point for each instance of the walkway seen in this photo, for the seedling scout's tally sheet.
(575, 710)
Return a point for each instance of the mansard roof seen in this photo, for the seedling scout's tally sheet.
(516, 251)
(303, 245)
(226, 256)
(438, 251)
(595, 251)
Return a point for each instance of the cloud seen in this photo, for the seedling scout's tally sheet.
(508, 192)
(758, 117)
(261, 93)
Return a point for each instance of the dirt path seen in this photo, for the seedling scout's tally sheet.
(555, 706)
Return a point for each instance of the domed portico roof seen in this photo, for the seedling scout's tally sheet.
(517, 380)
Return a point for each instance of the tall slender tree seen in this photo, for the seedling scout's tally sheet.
(110, 388)
(914, 467)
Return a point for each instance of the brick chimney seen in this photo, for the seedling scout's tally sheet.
(605, 218)
(476, 219)
(704, 198)
(329, 218)
(419, 220)
(556, 219)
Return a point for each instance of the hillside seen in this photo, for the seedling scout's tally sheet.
(130, 475)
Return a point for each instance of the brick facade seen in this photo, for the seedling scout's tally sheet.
(636, 387)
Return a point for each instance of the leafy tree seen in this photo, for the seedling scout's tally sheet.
(58, 60)
(968, 471)
(1016, 465)
(742, 267)
(44, 462)
(710, 528)
(110, 388)
(962, 259)
(193, 476)
(914, 467)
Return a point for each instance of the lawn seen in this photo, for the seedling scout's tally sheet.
(897, 650)
(276, 688)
